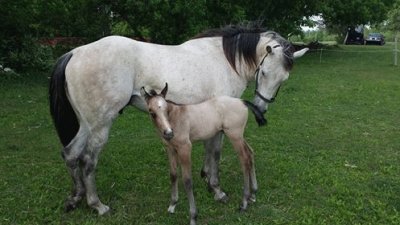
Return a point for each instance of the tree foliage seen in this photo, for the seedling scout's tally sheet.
(339, 14)
(394, 17)
(24, 22)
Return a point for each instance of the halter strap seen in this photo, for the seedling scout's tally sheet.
(256, 74)
(266, 99)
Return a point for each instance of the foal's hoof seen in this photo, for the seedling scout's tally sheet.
(252, 198)
(242, 208)
(171, 209)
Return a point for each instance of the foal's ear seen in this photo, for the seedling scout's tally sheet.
(145, 94)
(164, 91)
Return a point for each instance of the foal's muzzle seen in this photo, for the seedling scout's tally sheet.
(168, 134)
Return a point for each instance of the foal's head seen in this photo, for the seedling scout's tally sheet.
(158, 110)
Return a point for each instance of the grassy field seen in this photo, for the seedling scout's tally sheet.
(329, 155)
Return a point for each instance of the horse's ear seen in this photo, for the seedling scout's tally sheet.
(145, 94)
(164, 91)
(269, 49)
(300, 53)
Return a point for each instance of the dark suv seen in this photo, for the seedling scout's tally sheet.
(355, 35)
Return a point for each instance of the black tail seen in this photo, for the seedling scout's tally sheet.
(63, 115)
(257, 114)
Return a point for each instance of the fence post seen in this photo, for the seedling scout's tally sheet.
(320, 56)
(396, 50)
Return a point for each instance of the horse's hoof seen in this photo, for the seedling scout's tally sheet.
(223, 198)
(103, 209)
(203, 174)
(69, 205)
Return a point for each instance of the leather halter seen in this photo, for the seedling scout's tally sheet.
(257, 72)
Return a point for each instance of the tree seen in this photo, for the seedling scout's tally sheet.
(17, 47)
(339, 14)
(394, 17)
(171, 22)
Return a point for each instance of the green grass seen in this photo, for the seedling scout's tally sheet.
(330, 154)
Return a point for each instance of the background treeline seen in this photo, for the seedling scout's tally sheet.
(28, 26)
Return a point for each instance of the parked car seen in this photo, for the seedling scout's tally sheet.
(375, 38)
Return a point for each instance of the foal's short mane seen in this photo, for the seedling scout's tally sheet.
(153, 93)
(243, 40)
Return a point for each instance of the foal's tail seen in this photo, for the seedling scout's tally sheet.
(257, 114)
(63, 115)
(248, 147)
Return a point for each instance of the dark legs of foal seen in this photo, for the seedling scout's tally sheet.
(210, 170)
(183, 156)
(246, 157)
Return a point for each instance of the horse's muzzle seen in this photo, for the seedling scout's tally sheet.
(263, 111)
(168, 135)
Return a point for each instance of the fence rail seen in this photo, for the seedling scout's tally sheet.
(394, 51)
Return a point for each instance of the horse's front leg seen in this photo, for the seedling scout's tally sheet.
(184, 154)
(172, 156)
(210, 170)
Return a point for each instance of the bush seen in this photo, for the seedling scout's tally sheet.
(312, 36)
(26, 54)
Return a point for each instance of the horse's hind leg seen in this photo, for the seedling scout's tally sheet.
(210, 168)
(71, 154)
(96, 141)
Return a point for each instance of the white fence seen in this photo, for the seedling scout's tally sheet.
(395, 52)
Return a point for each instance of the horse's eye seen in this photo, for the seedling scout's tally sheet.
(262, 73)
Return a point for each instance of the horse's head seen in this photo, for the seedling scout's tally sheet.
(158, 110)
(276, 60)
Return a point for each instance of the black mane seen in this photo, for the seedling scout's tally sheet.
(243, 40)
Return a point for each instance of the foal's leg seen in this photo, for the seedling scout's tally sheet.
(174, 182)
(96, 141)
(71, 155)
(210, 169)
(246, 163)
(253, 179)
(184, 154)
